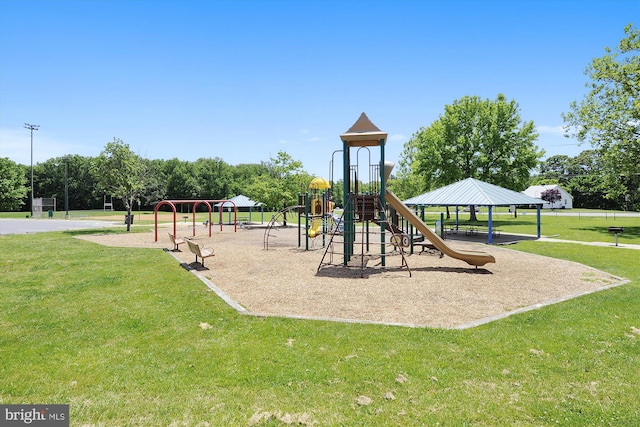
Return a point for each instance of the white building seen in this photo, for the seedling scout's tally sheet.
(535, 191)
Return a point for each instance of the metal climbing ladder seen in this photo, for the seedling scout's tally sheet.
(365, 209)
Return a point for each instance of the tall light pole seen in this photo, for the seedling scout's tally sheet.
(31, 128)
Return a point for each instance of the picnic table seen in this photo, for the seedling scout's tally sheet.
(470, 228)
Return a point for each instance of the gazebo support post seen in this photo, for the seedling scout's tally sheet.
(383, 202)
(490, 241)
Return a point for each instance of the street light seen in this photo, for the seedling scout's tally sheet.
(31, 128)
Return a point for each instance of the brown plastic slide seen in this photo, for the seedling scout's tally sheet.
(476, 258)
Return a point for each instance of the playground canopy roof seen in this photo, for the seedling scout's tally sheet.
(471, 191)
(241, 202)
(363, 133)
(319, 184)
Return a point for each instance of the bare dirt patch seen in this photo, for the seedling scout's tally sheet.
(442, 292)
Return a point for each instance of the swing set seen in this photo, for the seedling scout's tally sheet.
(196, 203)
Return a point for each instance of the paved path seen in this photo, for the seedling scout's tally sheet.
(612, 215)
(610, 244)
(26, 226)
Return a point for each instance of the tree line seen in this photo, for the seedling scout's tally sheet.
(275, 182)
(589, 182)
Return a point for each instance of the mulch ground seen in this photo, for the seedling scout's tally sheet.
(286, 280)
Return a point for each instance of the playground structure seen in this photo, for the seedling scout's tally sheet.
(314, 210)
(362, 209)
(196, 203)
(369, 225)
(317, 207)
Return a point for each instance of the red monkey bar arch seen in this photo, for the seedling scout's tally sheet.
(196, 203)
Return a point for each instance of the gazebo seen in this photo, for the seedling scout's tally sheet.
(473, 192)
(241, 202)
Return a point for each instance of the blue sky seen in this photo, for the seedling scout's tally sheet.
(242, 80)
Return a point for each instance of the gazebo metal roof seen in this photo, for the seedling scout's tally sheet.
(471, 191)
(242, 201)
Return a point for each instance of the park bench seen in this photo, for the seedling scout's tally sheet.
(200, 251)
(451, 228)
(472, 229)
(242, 221)
(175, 240)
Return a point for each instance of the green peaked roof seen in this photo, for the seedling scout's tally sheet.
(472, 191)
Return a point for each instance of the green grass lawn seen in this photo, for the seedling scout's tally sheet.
(584, 228)
(116, 333)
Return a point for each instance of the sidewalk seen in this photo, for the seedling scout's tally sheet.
(611, 244)
(32, 225)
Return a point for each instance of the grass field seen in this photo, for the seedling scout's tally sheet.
(128, 337)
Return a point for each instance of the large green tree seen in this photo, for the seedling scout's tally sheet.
(554, 170)
(13, 189)
(182, 180)
(405, 183)
(215, 176)
(609, 115)
(474, 138)
(587, 182)
(280, 185)
(155, 183)
(121, 173)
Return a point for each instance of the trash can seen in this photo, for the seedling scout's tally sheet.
(50, 214)
(439, 229)
(128, 219)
